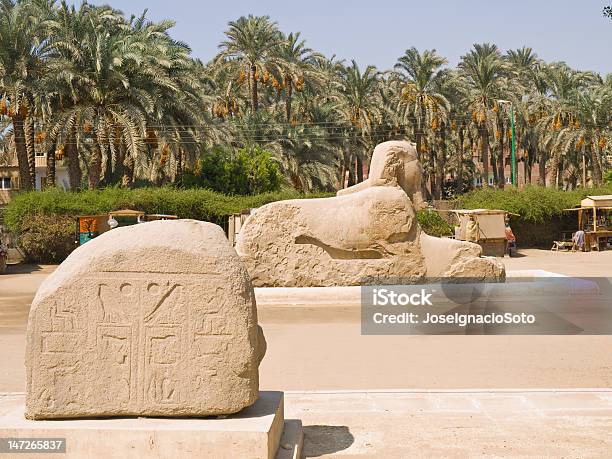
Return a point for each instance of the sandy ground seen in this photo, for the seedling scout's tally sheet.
(534, 424)
(321, 349)
(593, 264)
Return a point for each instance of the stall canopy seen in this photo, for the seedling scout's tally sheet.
(597, 201)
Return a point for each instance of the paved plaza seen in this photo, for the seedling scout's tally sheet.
(394, 396)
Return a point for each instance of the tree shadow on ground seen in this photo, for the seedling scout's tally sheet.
(22, 268)
(320, 440)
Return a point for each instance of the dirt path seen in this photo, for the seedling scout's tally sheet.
(322, 348)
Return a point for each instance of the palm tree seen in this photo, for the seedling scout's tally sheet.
(421, 101)
(23, 51)
(252, 41)
(297, 68)
(358, 108)
(563, 86)
(483, 69)
(125, 83)
(586, 137)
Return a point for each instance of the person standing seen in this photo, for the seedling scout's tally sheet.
(510, 240)
(578, 241)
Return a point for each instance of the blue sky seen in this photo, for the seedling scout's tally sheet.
(378, 31)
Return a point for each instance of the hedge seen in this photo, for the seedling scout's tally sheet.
(199, 204)
(534, 204)
(30, 215)
(433, 224)
(47, 238)
(44, 221)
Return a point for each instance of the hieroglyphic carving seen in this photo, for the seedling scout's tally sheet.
(162, 339)
(140, 335)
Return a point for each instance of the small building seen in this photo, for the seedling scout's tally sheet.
(235, 222)
(10, 181)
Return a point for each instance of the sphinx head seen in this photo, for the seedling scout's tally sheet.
(395, 162)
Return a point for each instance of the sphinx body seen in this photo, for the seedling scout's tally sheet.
(367, 234)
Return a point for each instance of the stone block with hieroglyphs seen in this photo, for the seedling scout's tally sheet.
(156, 319)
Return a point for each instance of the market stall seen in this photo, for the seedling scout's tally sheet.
(91, 226)
(485, 227)
(595, 219)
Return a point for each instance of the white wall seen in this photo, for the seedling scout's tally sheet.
(61, 177)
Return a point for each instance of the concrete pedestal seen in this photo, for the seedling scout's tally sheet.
(255, 432)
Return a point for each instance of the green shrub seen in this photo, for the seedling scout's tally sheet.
(607, 178)
(245, 172)
(47, 238)
(28, 213)
(433, 224)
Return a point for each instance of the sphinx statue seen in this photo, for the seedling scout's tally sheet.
(367, 234)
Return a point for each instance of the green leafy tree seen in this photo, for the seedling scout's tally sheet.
(244, 172)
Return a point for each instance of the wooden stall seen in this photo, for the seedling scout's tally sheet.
(490, 225)
(91, 226)
(235, 222)
(595, 219)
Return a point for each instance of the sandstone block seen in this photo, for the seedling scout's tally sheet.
(156, 319)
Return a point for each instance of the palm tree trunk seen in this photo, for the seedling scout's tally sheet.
(351, 178)
(597, 166)
(179, 165)
(120, 160)
(527, 163)
(31, 149)
(358, 161)
(553, 173)
(349, 166)
(484, 154)
(22, 153)
(440, 163)
(288, 97)
(359, 168)
(254, 98)
(75, 174)
(50, 180)
(95, 168)
(493, 156)
(460, 163)
(541, 169)
(420, 133)
(108, 167)
(501, 163)
(501, 168)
